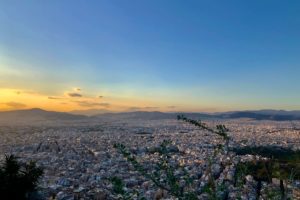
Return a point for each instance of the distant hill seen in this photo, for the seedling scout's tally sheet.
(36, 114)
(90, 112)
(275, 115)
(279, 112)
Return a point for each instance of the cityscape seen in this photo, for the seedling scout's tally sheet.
(149, 100)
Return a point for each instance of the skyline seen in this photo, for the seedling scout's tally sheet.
(150, 55)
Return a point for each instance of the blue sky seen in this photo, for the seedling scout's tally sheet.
(192, 55)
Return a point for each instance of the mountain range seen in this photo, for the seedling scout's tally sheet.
(37, 114)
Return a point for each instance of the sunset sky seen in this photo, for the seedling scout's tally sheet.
(166, 55)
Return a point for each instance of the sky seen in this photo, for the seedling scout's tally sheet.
(165, 55)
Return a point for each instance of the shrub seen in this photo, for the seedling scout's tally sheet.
(18, 180)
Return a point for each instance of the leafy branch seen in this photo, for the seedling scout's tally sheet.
(220, 129)
(164, 175)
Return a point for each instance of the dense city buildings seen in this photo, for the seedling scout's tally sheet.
(79, 158)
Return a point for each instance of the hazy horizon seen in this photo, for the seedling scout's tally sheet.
(97, 111)
(149, 55)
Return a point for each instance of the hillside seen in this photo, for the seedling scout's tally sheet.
(36, 114)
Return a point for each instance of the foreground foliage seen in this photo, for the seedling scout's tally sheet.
(165, 169)
(164, 176)
(281, 164)
(18, 180)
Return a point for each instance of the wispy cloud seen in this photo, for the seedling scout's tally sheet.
(76, 89)
(74, 94)
(150, 108)
(92, 104)
(172, 107)
(20, 92)
(134, 108)
(15, 105)
(55, 98)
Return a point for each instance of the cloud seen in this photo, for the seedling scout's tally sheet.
(105, 104)
(142, 108)
(172, 107)
(73, 94)
(150, 108)
(15, 105)
(19, 92)
(134, 108)
(91, 104)
(100, 97)
(77, 89)
(55, 98)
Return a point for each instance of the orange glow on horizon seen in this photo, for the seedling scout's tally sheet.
(13, 99)
(76, 99)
